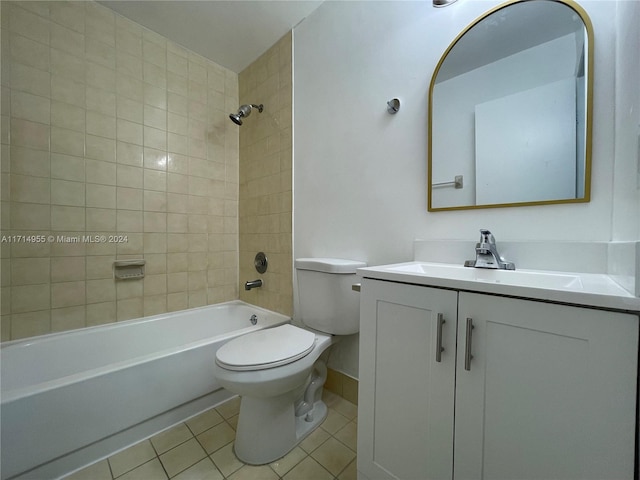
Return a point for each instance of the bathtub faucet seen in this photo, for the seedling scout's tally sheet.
(253, 284)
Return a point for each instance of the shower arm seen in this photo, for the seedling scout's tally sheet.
(244, 111)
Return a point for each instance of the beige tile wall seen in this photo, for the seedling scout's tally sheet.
(111, 129)
(265, 178)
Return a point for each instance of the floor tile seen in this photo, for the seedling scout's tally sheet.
(308, 469)
(203, 470)
(290, 460)
(334, 422)
(251, 472)
(233, 421)
(216, 437)
(147, 471)
(329, 397)
(173, 437)
(348, 435)
(181, 452)
(351, 472)
(230, 408)
(226, 460)
(131, 458)
(182, 457)
(204, 421)
(314, 440)
(344, 408)
(333, 455)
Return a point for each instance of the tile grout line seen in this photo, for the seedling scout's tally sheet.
(232, 413)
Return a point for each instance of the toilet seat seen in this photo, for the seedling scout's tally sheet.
(268, 348)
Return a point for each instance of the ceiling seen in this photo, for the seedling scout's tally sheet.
(231, 33)
(234, 33)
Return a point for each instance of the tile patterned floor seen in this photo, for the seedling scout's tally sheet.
(202, 448)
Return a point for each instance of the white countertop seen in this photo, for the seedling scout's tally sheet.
(588, 289)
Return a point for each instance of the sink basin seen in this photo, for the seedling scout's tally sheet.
(521, 278)
(591, 289)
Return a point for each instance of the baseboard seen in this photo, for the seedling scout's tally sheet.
(342, 384)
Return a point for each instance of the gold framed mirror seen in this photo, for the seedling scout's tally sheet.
(510, 110)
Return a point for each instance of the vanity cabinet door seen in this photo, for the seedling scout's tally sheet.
(406, 397)
(550, 393)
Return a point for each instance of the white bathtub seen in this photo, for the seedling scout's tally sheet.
(71, 398)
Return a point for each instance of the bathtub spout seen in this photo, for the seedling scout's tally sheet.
(253, 284)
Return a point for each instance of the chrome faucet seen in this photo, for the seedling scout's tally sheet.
(253, 284)
(487, 255)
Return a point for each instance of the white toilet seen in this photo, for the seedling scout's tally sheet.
(278, 371)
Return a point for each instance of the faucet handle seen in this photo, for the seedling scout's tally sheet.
(487, 255)
(486, 236)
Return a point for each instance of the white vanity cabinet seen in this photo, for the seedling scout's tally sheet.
(521, 390)
(406, 397)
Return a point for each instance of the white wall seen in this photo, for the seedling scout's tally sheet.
(360, 173)
(626, 199)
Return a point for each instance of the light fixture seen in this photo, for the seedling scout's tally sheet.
(442, 3)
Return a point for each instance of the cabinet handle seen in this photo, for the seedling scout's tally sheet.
(467, 352)
(439, 347)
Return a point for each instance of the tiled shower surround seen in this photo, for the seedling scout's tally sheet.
(112, 131)
(265, 178)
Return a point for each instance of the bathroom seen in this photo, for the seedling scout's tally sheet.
(326, 137)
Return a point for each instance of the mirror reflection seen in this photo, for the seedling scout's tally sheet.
(510, 110)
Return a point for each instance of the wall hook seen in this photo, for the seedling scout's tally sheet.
(393, 106)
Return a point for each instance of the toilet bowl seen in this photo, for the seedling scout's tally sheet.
(280, 404)
(279, 372)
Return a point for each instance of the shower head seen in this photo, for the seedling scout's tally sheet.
(244, 111)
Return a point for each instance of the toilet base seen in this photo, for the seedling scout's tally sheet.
(268, 428)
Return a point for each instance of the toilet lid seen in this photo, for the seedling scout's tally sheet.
(268, 348)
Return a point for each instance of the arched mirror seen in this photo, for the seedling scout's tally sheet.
(510, 107)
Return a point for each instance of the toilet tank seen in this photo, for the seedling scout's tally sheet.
(327, 302)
